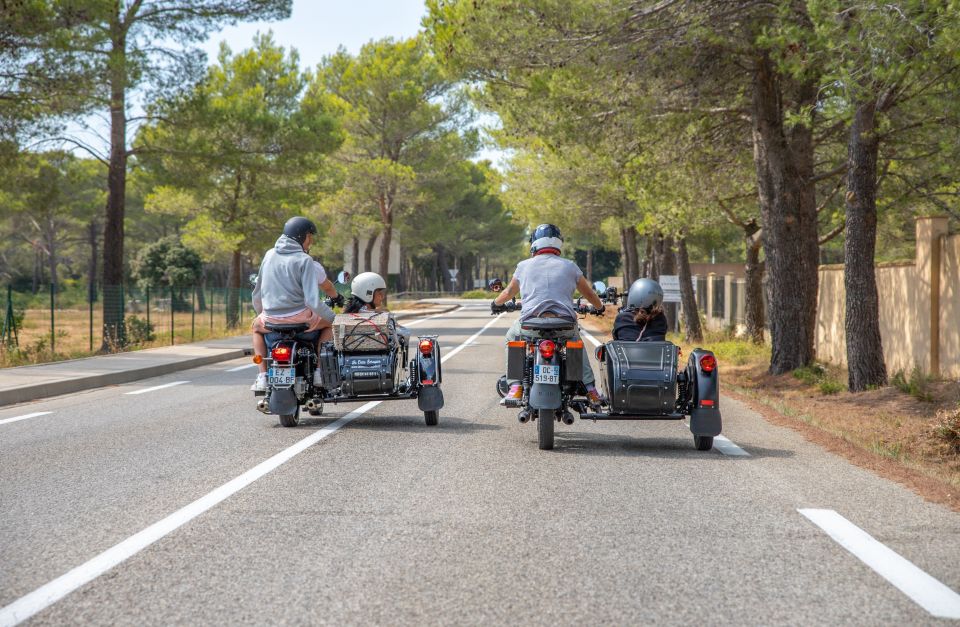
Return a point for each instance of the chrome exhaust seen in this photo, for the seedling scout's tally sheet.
(524, 417)
(263, 405)
(567, 417)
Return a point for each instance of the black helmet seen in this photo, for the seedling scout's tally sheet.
(545, 236)
(297, 228)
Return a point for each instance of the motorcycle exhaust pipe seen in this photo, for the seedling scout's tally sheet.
(310, 404)
(524, 417)
(263, 405)
(567, 417)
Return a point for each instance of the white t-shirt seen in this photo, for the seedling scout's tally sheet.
(547, 283)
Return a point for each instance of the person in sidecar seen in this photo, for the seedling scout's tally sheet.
(368, 293)
(287, 291)
(642, 319)
(547, 282)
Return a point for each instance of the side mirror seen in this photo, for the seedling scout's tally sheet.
(253, 280)
(495, 285)
(343, 277)
(599, 287)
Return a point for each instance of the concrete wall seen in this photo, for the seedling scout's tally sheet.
(919, 306)
(393, 264)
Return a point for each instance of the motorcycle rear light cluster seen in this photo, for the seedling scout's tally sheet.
(426, 347)
(281, 353)
(547, 349)
(708, 363)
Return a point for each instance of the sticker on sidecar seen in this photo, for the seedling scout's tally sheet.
(546, 374)
(281, 376)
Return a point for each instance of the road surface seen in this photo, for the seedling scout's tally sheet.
(172, 501)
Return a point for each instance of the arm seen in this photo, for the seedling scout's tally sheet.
(586, 290)
(328, 289)
(513, 288)
(257, 299)
(311, 293)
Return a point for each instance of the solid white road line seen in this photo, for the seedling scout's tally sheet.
(48, 594)
(157, 387)
(924, 590)
(592, 339)
(24, 417)
(243, 367)
(418, 321)
(727, 447)
(469, 340)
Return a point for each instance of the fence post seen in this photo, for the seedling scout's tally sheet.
(727, 298)
(148, 311)
(53, 332)
(90, 298)
(212, 295)
(193, 311)
(171, 316)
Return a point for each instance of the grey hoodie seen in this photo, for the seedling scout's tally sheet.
(288, 281)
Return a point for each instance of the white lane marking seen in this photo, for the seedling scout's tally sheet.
(469, 340)
(48, 594)
(727, 447)
(924, 590)
(592, 339)
(25, 416)
(157, 387)
(442, 313)
(243, 367)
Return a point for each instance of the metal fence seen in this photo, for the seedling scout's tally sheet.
(72, 322)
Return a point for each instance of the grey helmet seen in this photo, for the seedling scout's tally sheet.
(644, 294)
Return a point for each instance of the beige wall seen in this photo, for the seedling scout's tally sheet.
(906, 310)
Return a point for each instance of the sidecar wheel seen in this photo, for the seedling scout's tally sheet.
(703, 442)
(502, 386)
(290, 420)
(545, 420)
(431, 417)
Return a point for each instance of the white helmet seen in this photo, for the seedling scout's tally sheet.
(365, 284)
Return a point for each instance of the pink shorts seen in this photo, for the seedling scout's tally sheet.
(306, 316)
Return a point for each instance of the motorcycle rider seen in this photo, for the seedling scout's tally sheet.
(642, 319)
(547, 282)
(287, 291)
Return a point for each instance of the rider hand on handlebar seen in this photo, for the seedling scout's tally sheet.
(337, 301)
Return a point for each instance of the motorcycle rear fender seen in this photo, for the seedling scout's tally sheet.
(431, 372)
(430, 398)
(705, 410)
(545, 395)
(283, 401)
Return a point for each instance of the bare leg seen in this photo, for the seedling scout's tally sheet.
(260, 348)
(326, 335)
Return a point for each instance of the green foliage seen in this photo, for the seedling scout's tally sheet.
(818, 375)
(167, 263)
(139, 331)
(947, 428)
(917, 384)
(478, 295)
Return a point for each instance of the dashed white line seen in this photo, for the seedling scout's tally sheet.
(924, 590)
(157, 387)
(48, 594)
(727, 447)
(24, 417)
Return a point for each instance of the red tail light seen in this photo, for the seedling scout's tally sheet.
(426, 347)
(708, 363)
(547, 349)
(281, 353)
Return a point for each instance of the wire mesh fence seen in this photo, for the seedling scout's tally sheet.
(53, 324)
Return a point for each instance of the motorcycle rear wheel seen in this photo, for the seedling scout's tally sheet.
(703, 442)
(545, 420)
(431, 417)
(291, 420)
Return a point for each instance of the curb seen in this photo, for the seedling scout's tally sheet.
(27, 393)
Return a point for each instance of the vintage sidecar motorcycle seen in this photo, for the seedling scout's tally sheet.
(370, 359)
(640, 380)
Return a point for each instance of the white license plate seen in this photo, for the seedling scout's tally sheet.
(281, 376)
(546, 374)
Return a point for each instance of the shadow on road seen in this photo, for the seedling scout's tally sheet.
(411, 423)
(608, 445)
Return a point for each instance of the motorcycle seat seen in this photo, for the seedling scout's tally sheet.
(287, 328)
(548, 324)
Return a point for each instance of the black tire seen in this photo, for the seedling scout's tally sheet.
(290, 420)
(545, 420)
(502, 387)
(432, 417)
(703, 442)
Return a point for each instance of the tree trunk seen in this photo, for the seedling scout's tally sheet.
(691, 314)
(368, 254)
(444, 268)
(37, 269)
(92, 268)
(628, 245)
(865, 363)
(201, 288)
(753, 296)
(112, 282)
(646, 267)
(355, 259)
(384, 261)
(788, 211)
(590, 265)
(234, 280)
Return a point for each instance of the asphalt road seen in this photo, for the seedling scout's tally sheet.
(382, 519)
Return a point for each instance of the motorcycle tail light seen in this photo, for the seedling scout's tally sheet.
(281, 353)
(708, 363)
(426, 347)
(547, 349)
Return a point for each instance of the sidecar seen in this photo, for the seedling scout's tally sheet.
(644, 381)
(373, 358)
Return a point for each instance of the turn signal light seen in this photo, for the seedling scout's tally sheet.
(257, 359)
(547, 349)
(426, 347)
(708, 363)
(281, 353)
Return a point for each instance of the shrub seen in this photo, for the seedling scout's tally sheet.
(917, 386)
(478, 294)
(817, 374)
(947, 428)
(831, 386)
(139, 331)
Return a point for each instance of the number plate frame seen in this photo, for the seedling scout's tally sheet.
(543, 373)
(282, 377)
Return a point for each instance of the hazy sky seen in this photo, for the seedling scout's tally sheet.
(318, 27)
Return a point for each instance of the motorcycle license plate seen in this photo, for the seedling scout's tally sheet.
(546, 374)
(281, 376)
